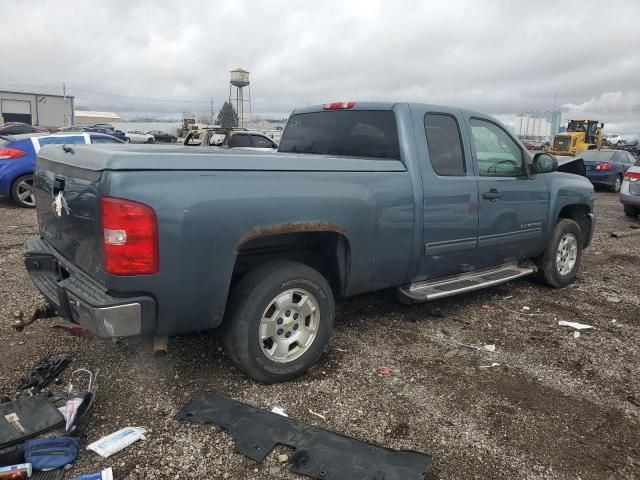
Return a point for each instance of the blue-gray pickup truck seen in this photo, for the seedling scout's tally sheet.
(432, 201)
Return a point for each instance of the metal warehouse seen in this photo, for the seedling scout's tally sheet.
(36, 108)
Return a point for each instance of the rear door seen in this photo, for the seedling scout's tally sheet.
(513, 208)
(450, 198)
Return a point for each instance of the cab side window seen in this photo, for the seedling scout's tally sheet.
(240, 140)
(261, 142)
(497, 153)
(445, 145)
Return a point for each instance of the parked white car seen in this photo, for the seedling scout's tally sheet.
(630, 191)
(614, 139)
(134, 136)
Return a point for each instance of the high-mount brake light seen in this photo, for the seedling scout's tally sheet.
(339, 105)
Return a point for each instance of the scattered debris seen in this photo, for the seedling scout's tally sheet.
(508, 297)
(11, 472)
(341, 349)
(275, 471)
(526, 309)
(279, 411)
(319, 453)
(384, 370)
(576, 325)
(576, 334)
(613, 299)
(113, 443)
(106, 474)
(26, 418)
(485, 306)
(51, 453)
(317, 414)
(490, 348)
(632, 233)
(493, 365)
(44, 372)
(283, 458)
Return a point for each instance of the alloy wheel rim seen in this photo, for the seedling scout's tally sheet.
(24, 192)
(289, 325)
(567, 254)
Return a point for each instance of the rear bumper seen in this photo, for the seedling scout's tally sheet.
(606, 178)
(628, 199)
(82, 300)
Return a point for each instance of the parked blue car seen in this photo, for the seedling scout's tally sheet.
(607, 167)
(18, 160)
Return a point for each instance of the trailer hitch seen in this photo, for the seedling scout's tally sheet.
(44, 311)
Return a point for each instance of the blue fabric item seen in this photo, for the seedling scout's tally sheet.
(51, 452)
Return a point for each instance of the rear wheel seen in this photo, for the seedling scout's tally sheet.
(631, 211)
(617, 184)
(560, 262)
(22, 191)
(280, 321)
(150, 140)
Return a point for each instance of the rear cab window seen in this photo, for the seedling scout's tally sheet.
(60, 140)
(445, 145)
(240, 140)
(354, 133)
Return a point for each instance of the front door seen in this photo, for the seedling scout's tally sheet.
(513, 207)
(450, 198)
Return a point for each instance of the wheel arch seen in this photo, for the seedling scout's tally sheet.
(582, 215)
(321, 246)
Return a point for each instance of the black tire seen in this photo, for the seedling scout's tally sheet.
(617, 184)
(548, 270)
(631, 211)
(127, 139)
(151, 140)
(16, 191)
(249, 301)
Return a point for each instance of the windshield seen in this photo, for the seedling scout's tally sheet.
(357, 133)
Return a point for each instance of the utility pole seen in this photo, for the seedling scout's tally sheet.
(64, 90)
(212, 117)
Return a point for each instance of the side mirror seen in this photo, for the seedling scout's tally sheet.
(544, 163)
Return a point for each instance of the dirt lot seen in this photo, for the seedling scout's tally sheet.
(556, 407)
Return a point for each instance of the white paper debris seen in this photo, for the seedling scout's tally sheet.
(576, 333)
(317, 414)
(494, 364)
(526, 308)
(279, 411)
(490, 348)
(576, 325)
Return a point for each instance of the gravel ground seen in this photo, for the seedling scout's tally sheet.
(555, 407)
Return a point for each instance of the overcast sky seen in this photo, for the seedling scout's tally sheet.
(499, 57)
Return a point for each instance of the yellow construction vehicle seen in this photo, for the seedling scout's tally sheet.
(581, 135)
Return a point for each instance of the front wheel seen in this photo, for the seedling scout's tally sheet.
(560, 262)
(279, 322)
(22, 191)
(150, 140)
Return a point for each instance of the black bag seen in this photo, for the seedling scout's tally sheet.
(26, 418)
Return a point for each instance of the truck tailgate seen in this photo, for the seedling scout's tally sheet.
(73, 230)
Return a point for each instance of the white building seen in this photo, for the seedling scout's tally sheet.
(39, 109)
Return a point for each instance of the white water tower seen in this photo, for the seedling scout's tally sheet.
(240, 80)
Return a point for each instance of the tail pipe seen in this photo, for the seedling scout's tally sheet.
(160, 346)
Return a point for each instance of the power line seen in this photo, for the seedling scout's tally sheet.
(130, 97)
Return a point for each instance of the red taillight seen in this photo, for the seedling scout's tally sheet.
(339, 105)
(7, 153)
(129, 237)
(604, 166)
(632, 176)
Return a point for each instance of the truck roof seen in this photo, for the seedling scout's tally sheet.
(379, 105)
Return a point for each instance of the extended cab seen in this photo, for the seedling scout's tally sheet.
(432, 201)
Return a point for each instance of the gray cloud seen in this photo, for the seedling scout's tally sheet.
(500, 57)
